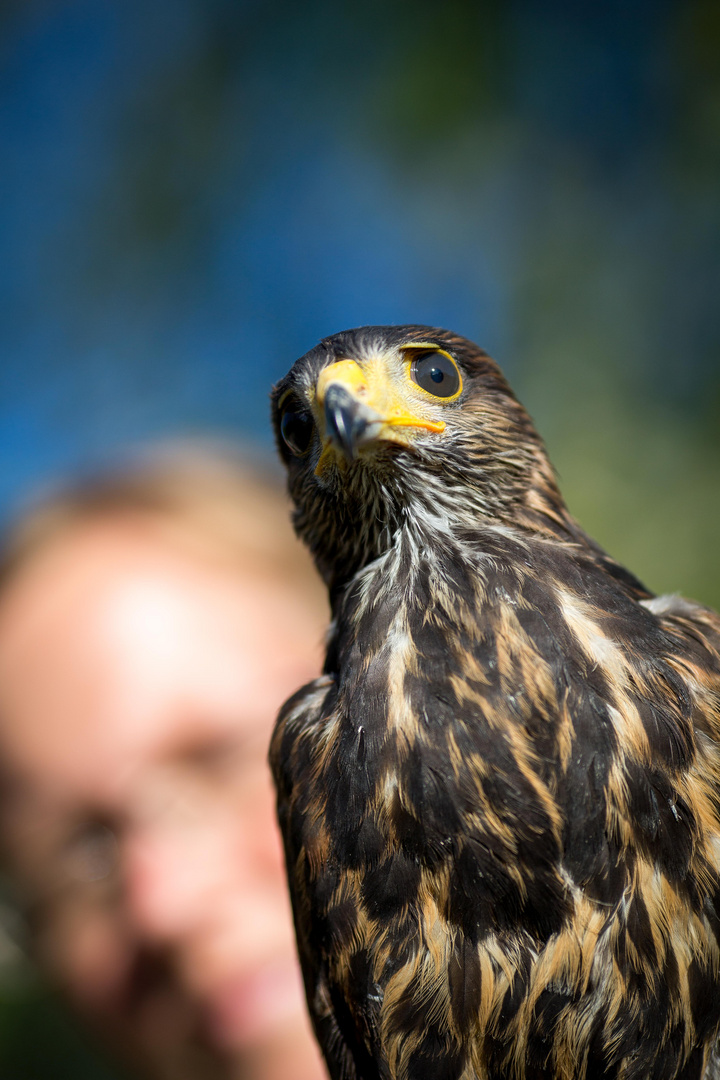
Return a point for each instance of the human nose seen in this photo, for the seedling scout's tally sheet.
(179, 869)
(173, 863)
(167, 883)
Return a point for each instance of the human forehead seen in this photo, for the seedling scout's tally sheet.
(117, 649)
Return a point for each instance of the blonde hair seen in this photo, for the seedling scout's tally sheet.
(205, 499)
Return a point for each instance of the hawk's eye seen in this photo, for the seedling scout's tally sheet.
(436, 373)
(297, 430)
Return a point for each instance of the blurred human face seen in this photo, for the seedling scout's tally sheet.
(138, 687)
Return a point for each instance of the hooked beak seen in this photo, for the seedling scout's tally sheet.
(359, 407)
(348, 422)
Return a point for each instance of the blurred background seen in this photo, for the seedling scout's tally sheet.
(193, 192)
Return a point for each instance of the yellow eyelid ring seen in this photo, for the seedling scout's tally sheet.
(425, 348)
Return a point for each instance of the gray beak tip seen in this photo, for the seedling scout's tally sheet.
(345, 421)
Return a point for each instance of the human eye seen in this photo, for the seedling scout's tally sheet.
(90, 854)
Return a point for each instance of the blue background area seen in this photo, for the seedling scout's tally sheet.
(193, 193)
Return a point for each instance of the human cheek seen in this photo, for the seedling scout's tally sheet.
(88, 953)
(254, 839)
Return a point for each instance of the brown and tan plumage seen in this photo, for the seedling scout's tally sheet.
(501, 800)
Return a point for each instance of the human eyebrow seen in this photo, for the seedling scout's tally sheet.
(215, 750)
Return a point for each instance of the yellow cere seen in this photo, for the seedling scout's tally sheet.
(343, 373)
(372, 385)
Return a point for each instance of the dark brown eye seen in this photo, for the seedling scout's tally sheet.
(297, 430)
(91, 854)
(437, 374)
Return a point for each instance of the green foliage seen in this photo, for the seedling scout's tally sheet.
(38, 1041)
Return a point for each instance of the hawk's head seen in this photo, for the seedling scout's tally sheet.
(387, 426)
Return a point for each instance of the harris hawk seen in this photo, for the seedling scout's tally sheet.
(500, 802)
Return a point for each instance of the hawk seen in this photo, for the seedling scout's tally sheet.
(500, 802)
